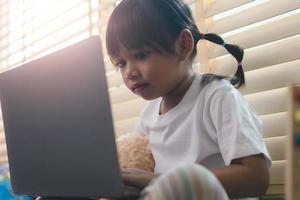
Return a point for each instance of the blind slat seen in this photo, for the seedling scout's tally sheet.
(218, 6)
(58, 14)
(129, 109)
(3, 158)
(274, 125)
(252, 15)
(4, 15)
(268, 102)
(277, 172)
(4, 36)
(121, 94)
(2, 136)
(108, 65)
(55, 34)
(63, 42)
(42, 25)
(46, 34)
(114, 80)
(36, 27)
(273, 53)
(3, 150)
(276, 147)
(261, 33)
(1, 127)
(275, 189)
(125, 126)
(273, 77)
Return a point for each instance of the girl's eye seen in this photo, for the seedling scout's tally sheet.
(141, 55)
(120, 64)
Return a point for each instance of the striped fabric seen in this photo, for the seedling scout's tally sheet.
(192, 182)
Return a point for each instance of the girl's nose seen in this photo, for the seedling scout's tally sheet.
(131, 71)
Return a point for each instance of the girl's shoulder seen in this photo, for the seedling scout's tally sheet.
(219, 92)
(222, 93)
(212, 85)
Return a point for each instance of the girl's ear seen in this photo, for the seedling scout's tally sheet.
(184, 44)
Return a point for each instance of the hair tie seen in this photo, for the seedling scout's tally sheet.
(224, 44)
(202, 36)
(240, 63)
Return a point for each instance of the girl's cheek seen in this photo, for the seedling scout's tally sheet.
(123, 76)
(126, 84)
(124, 79)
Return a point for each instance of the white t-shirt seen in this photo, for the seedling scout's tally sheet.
(211, 126)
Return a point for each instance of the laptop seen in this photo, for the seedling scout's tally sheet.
(58, 126)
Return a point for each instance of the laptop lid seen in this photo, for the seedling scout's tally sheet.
(58, 125)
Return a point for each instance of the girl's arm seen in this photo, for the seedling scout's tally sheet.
(137, 178)
(244, 177)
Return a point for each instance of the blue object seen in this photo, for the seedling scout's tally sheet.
(297, 139)
(5, 187)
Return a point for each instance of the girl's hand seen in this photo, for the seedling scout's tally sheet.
(137, 178)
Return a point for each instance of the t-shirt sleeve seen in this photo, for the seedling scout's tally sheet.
(238, 128)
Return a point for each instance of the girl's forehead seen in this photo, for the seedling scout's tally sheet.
(123, 51)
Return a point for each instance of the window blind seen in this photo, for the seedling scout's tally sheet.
(31, 28)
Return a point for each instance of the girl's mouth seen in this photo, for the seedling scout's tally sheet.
(137, 88)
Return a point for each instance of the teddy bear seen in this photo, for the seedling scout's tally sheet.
(134, 152)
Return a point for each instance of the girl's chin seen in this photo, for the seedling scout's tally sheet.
(147, 96)
(145, 93)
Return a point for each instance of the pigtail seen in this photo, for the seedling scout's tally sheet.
(239, 78)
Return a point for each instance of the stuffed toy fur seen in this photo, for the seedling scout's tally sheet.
(134, 152)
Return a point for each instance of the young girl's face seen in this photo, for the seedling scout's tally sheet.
(148, 73)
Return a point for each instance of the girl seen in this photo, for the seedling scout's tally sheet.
(205, 139)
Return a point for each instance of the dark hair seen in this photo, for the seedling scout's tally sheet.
(142, 23)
